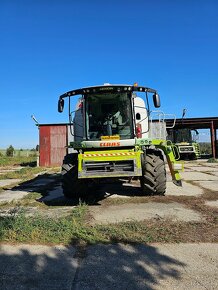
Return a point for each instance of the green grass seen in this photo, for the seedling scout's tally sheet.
(24, 173)
(72, 229)
(17, 227)
(212, 160)
(75, 229)
(19, 160)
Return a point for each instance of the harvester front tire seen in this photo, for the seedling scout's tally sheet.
(153, 180)
(72, 186)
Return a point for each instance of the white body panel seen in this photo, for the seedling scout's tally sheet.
(109, 143)
(140, 108)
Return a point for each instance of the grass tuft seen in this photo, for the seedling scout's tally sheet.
(212, 160)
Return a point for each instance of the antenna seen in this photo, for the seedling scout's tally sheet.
(34, 119)
(183, 113)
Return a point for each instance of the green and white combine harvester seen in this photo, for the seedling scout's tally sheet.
(111, 140)
(186, 142)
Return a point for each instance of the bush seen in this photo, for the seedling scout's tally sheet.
(10, 151)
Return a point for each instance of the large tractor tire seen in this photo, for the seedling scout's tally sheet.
(153, 180)
(72, 186)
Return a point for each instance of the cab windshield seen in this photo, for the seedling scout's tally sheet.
(109, 114)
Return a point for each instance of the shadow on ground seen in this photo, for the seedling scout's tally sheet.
(96, 194)
(49, 186)
(42, 184)
(29, 163)
(90, 267)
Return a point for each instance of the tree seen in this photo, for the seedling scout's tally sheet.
(10, 151)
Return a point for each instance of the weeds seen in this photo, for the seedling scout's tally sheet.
(18, 227)
(212, 160)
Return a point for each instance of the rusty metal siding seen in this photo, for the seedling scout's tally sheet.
(44, 146)
(52, 142)
(58, 137)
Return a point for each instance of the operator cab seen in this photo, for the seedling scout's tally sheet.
(109, 114)
(113, 112)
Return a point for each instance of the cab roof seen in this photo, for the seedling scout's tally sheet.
(107, 88)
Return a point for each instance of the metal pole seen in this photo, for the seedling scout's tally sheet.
(212, 134)
(215, 134)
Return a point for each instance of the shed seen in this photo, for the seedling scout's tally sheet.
(53, 142)
(200, 123)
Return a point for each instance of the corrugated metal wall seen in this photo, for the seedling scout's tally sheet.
(53, 140)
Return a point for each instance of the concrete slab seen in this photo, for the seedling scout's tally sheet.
(9, 195)
(205, 169)
(189, 164)
(211, 185)
(197, 176)
(187, 189)
(213, 203)
(214, 173)
(142, 211)
(211, 165)
(113, 266)
(114, 196)
(36, 267)
(6, 182)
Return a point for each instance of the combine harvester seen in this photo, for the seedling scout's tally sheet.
(111, 140)
(186, 141)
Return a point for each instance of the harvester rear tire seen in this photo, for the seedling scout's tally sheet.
(153, 180)
(72, 186)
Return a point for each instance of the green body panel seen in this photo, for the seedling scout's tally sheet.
(169, 150)
(132, 155)
(197, 149)
(99, 157)
(188, 149)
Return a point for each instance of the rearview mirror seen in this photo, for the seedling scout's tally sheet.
(156, 100)
(60, 105)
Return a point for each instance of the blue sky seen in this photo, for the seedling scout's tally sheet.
(49, 47)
